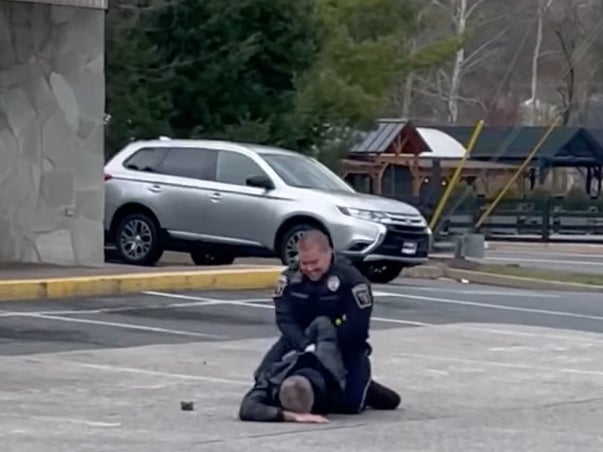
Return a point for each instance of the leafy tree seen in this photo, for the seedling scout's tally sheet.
(206, 68)
(303, 74)
(233, 63)
(137, 104)
(363, 55)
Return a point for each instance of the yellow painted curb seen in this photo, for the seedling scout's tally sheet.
(52, 288)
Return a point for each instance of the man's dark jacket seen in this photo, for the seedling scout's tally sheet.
(323, 367)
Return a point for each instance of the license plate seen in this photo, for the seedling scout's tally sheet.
(409, 248)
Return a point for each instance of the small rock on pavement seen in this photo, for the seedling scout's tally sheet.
(187, 406)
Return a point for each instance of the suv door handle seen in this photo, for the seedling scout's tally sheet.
(215, 196)
(155, 188)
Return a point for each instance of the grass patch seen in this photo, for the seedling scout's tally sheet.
(547, 275)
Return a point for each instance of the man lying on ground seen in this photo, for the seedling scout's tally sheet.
(306, 385)
(303, 385)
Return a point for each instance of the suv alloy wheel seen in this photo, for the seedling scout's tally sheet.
(137, 240)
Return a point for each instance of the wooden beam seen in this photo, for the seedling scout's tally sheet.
(380, 173)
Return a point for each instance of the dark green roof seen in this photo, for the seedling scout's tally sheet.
(565, 145)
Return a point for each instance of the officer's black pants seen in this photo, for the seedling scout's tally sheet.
(361, 390)
(358, 366)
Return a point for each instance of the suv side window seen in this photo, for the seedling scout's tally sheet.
(234, 168)
(146, 159)
(194, 163)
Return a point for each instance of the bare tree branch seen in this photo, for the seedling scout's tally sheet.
(473, 7)
(475, 53)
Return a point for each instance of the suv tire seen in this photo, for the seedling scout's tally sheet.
(381, 272)
(137, 239)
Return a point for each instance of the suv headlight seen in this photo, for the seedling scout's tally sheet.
(369, 215)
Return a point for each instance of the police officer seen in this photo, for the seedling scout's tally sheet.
(322, 283)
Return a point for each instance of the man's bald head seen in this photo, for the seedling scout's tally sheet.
(296, 394)
(315, 254)
(314, 238)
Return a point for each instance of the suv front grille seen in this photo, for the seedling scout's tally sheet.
(396, 239)
(406, 224)
(406, 229)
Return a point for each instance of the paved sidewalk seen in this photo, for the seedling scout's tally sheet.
(171, 262)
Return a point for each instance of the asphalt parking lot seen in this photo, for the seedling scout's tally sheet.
(479, 368)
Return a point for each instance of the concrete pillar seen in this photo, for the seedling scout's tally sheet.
(52, 100)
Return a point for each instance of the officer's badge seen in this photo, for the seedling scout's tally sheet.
(333, 283)
(281, 284)
(362, 295)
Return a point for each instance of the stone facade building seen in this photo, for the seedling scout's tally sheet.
(52, 101)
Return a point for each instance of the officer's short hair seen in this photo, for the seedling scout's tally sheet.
(296, 394)
(314, 238)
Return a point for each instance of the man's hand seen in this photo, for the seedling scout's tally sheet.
(305, 418)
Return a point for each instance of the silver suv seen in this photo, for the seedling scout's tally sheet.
(221, 200)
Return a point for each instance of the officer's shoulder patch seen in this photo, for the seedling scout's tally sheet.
(362, 295)
(281, 284)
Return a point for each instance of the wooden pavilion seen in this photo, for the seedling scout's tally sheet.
(396, 149)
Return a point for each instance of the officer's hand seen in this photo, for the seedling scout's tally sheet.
(311, 348)
(307, 418)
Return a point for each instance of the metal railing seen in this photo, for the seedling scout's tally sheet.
(547, 220)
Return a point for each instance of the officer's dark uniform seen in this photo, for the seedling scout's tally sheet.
(344, 296)
(323, 367)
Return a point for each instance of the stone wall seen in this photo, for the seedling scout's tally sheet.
(52, 99)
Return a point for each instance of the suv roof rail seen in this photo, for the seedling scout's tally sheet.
(164, 138)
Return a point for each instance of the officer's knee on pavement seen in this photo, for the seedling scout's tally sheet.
(296, 394)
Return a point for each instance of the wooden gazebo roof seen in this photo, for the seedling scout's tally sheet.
(389, 136)
(398, 142)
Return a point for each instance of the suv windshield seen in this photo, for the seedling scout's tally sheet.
(304, 172)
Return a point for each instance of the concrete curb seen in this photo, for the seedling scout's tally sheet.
(425, 272)
(221, 279)
(475, 276)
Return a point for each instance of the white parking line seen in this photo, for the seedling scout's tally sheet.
(156, 373)
(504, 332)
(491, 306)
(137, 307)
(252, 303)
(122, 325)
(499, 293)
(203, 299)
(499, 364)
(61, 419)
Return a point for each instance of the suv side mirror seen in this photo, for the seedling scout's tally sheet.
(260, 181)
